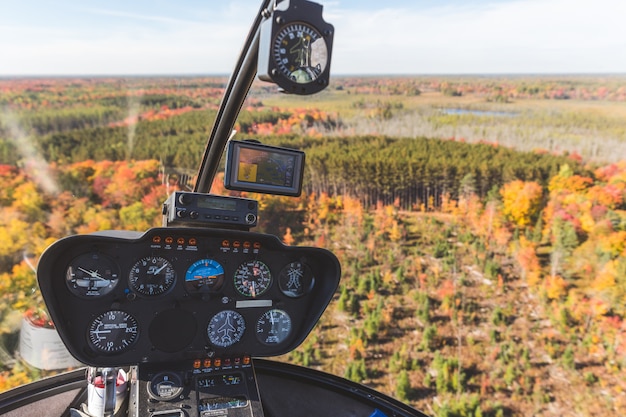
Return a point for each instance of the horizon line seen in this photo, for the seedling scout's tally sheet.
(341, 75)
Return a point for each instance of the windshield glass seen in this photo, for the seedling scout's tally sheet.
(469, 174)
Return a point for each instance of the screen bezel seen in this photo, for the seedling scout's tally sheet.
(233, 155)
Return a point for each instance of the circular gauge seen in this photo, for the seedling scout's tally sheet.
(113, 332)
(152, 275)
(252, 278)
(226, 328)
(300, 52)
(165, 386)
(92, 275)
(205, 275)
(295, 279)
(273, 327)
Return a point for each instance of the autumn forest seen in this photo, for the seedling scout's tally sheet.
(480, 221)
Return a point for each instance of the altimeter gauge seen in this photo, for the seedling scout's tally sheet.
(295, 48)
(112, 332)
(92, 275)
(226, 328)
(273, 327)
(152, 275)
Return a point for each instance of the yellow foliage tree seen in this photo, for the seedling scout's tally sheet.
(521, 201)
(556, 287)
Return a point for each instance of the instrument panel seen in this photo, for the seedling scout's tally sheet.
(170, 294)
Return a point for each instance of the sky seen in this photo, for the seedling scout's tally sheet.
(144, 37)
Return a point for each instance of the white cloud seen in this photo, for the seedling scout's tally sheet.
(519, 36)
(514, 36)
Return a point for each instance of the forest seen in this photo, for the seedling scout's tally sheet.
(482, 274)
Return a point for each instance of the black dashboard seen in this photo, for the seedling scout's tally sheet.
(189, 295)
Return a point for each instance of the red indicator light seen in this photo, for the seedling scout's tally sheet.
(193, 241)
(218, 363)
(169, 239)
(156, 239)
(246, 245)
(236, 244)
(181, 241)
(225, 243)
(197, 363)
(246, 360)
(207, 363)
(257, 245)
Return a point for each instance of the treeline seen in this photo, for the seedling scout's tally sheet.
(416, 171)
(409, 171)
(74, 135)
(495, 88)
(412, 172)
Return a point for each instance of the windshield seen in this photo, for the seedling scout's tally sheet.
(469, 174)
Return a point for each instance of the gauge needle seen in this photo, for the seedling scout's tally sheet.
(92, 274)
(157, 271)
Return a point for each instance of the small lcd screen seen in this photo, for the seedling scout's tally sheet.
(222, 403)
(225, 379)
(268, 169)
(217, 203)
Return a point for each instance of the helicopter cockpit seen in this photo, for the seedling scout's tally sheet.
(176, 321)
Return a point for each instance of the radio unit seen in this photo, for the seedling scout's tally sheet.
(186, 208)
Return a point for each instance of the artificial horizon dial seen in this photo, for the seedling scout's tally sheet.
(152, 275)
(204, 275)
(113, 332)
(92, 275)
(300, 52)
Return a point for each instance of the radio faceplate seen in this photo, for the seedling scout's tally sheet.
(185, 208)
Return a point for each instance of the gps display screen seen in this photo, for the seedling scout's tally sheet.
(261, 168)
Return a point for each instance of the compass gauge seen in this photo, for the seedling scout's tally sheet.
(295, 48)
(300, 52)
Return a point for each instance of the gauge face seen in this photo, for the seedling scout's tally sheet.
(165, 386)
(252, 278)
(295, 279)
(205, 275)
(151, 276)
(92, 275)
(273, 327)
(226, 328)
(113, 332)
(300, 52)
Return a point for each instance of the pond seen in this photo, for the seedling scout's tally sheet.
(479, 112)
